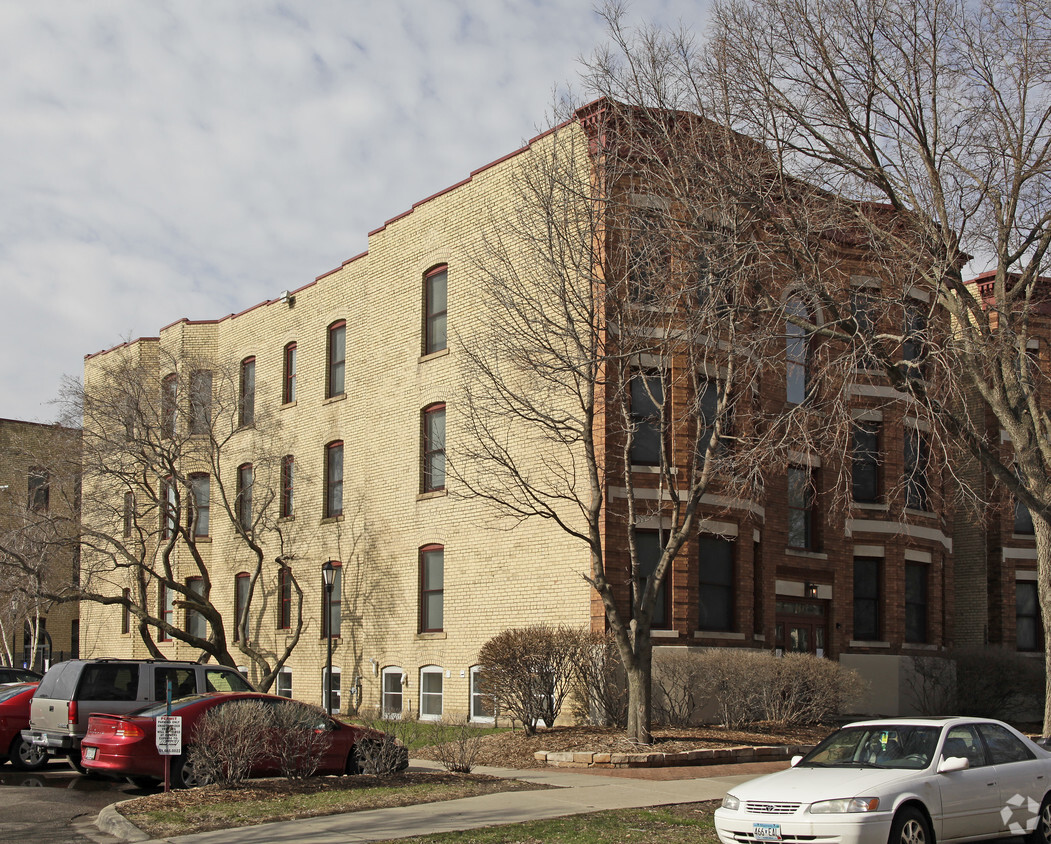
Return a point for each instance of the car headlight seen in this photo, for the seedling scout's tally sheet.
(731, 802)
(847, 804)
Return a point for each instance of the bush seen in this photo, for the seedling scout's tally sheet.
(601, 690)
(981, 682)
(230, 740)
(529, 672)
(387, 753)
(303, 738)
(457, 744)
(677, 679)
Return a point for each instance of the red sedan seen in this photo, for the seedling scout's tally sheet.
(126, 745)
(14, 717)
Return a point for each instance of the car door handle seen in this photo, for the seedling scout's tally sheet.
(991, 784)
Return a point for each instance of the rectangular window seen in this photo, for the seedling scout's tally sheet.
(196, 624)
(482, 708)
(434, 448)
(797, 351)
(863, 307)
(288, 466)
(916, 461)
(649, 545)
(1029, 634)
(708, 407)
(435, 334)
(245, 478)
(1023, 520)
(915, 602)
(432, 589)
(169, 508)
(865, 462)
(284, 683)
(242, 582)
(648, 257)
(288, 390)
(334, 689)
(392, 692)
(337, 359)
(201, 486)
(333, 480)
(800, 508)
(200, 402)
(129, 513)
(125, 613)
(866, 598)
(716, 596)
(166, 608)
(647, 419)
(332, 617)
(247, 403)
(169, 405)
(431, 681)
(284, 598)
(39, 489)
(913, 348)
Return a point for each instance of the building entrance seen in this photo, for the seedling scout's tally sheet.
(801, 626)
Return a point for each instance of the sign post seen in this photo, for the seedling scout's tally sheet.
(169, 738)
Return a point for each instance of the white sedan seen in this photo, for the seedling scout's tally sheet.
(900, 781)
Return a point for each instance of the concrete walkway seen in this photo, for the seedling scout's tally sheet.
(571, 794)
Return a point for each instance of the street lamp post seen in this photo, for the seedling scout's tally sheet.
(328, 574)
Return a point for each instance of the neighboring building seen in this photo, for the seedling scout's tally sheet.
(37, 491)
(360, 374)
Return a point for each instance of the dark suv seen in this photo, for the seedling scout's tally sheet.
(73, 690)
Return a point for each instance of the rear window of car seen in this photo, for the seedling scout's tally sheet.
(118, 682)
(60, 681)
(225, 680)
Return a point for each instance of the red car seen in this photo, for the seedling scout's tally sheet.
(126, 745)
(14, 717)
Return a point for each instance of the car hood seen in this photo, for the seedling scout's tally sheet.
(808, 785)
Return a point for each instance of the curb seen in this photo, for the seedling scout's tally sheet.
(114, 823)
(701, 756)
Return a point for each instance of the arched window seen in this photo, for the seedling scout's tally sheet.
(334, 479)
(245, 478)
(433, 448)
(797, 351)
(392, 703)
(200, 483)
(432, 679)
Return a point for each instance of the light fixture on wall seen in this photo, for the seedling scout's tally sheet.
(810, 589)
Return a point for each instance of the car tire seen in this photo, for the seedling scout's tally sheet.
(25, 756)
(75, 763)
(1041, 834)
(910, 827)
(185, 774)
(355, 763)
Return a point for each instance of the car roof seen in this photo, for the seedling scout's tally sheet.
(923, 721)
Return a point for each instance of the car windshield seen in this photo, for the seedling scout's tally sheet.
(876, 746)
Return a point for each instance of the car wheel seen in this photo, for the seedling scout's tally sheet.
(910, 827)
(186, 774)
(355, 762)
(75, 763)
(1042, 833)
(144, 782)
(27, 757)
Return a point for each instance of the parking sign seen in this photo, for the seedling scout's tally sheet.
(169, 735)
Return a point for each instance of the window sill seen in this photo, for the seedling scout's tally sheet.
(927, 514)
(861, 643)
(810, 555)
(1023, 537)
(328, 520)
(872, 505)
(434, 493)
(336, 642)
(664, 634)
(438, 634)
(291, 517)
(642, 469)
(919, 646)
(432, 355)
(334, 399)
(288, 404)
(718, 634)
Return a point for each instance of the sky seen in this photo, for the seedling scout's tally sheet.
(192, 158)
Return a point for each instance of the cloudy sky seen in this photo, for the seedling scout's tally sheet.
(192, 158)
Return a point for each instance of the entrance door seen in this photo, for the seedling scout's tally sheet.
(802, 627)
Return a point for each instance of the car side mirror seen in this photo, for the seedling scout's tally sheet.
(953, 763)
(795, 761)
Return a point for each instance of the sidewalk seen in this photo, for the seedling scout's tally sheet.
(573, 794)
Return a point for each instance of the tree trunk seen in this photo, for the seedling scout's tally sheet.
(1042, 534)
(640, 697)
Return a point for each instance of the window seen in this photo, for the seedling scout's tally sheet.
(431, 678)
(866, 598)
(1029, 635)
(200, 485)
(166, 609)
(334, 479)
(331, 618)
(169, 508)
(434, 448)
(242, 583)
(432, 588)
(436, 295)
(247, 404)
(39, 489)
(913, 351)
(863, 308)
(393, 682)
(284, 598)
(288, 388)
(1023, 520)
(482, 708)
(169, 405)
(337, 359)
(1004, 747)
(286, 503)
(865, 463)
(333, 690)
(200, 401)
(649, 261)
(284, 683)
(129, 513)
(915, 602)
(916, 489)
(196, 624)
(649, 545)
(800, 508)
(797, 352)
(245, 477)
(125, 612)
(716, 597)
(647, 422)
(707, 407)
(74, 638)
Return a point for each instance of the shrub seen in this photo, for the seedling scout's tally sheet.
(601, 690)
(986, 682)
(457, 744)
(677, 678)
(303, 736)
(387, 753)
(732, 679)
(529, 672)
(230, 740)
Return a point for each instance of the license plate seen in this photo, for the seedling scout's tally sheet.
(766, 831)
(89, 753)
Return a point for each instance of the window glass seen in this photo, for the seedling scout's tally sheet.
(796, 352)
(482, 707)
(289, 389)
(287, 503)
(196, 624)
(865, 463)
(337, 359)
(916, 489)
(334, 480)
(284, 594)
(225, 680)
(716, 566)
(962, 741)
(434, 448)
(39, 489)
(1004, 746)
(431, 693)
(432, 589)
(284, 683)
(800, 508)
(245, 478)
(437, 299)
(201, 487)
(866, 598)
(200, 402)
(647, 402)
(1023, 521)
(183, 681)
(247, 391)
(915, 602)
(1028, 633)
(334, 689)
(242, 582)
(333, 617)
(116, 682)
(392, 692)
(649, 545)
